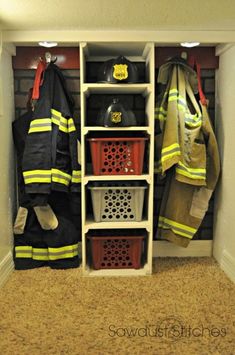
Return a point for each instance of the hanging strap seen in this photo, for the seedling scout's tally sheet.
(193, 63)
(38, 79)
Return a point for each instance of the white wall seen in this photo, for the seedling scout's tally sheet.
(7, 170)
(224, 229)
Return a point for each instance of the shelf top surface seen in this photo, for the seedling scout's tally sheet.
(115, 49)
(117, 88)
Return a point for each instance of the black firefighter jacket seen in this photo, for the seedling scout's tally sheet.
(46, 143)
(50, 160)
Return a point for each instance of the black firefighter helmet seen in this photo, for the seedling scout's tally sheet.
(118, 70)
(115, 114)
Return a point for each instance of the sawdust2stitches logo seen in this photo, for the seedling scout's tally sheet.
(173, 328)
(170, 329)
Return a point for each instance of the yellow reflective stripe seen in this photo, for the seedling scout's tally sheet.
(64, 248)
(173, 91)
(160, 113)
(170, 147)
(40, 125)
(56, 113)
(25, 247)
(71, 126)
(194, 124)
(192, 173)
(55, 120)
(170, 155)
(61, 122)
(178, 225)
(194, 118)
(39, 129)
(76, 176)
(177, 228)
(29, 252)
(174, 95)
(40, 121)
(32, 256)
(68, 251)
(191, 120)
(62, 173)
(199, 170)
(189, 175)
(60, 177)
(37, 176)
(160, 109)
(46, 176)
(170, 151)
(181, 106)
(65, 125)
(161, 117)
(41, 172)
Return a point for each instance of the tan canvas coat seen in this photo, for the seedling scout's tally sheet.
(187, 154)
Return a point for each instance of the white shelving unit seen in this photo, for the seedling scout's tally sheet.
(100, 52)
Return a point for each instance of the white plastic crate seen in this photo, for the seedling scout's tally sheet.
(117, 203)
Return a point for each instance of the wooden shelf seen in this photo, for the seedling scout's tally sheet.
(144, 177)
(87, 129)
(145, 270)
(143, 89)
(91, 224)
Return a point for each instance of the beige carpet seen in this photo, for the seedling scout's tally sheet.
(186, 307)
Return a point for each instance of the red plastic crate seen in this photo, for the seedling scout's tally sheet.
(117, 156)
(116, 252)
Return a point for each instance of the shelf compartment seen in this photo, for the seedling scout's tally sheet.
(96, 104)
(115, 202)
(116, 251)
(117, 156)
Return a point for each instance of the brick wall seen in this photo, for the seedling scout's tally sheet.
(23, 80)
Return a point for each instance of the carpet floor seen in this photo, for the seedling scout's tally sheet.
(186, 307)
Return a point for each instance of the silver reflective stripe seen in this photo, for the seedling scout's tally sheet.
(75, 249)
(33, 125)
(37, 176)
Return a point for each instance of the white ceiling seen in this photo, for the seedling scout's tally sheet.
(117, 15)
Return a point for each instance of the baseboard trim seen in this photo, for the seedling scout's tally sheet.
(196, 248)
(6, 268)
(227, 264)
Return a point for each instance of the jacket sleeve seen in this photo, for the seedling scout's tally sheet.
(202, 195)
(66, 158)
(213, 159)
(36, 162)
